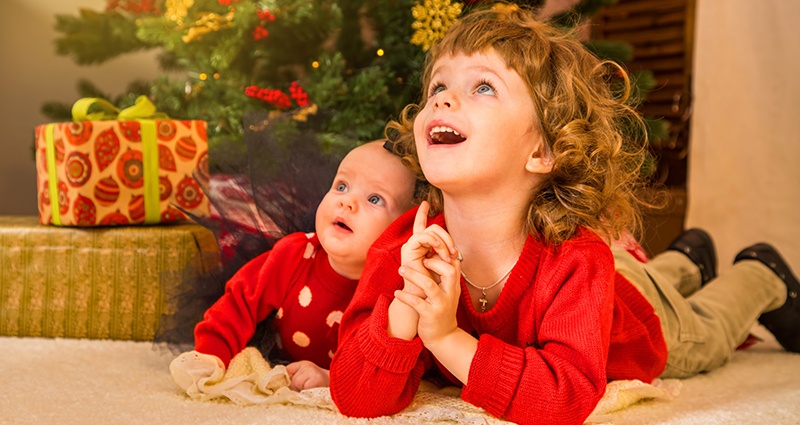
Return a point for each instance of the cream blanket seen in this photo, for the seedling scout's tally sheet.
(249, 379)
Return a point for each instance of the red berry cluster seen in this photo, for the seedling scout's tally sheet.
(259, 32)
(140, 7)
(273, 96)
(265, 15)
(279, 98)
(227, 2)
(298, 94)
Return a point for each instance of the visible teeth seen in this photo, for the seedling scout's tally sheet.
(443, 129)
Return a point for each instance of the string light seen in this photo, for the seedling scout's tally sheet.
(379, 52)
(315, 64)
(203, 76)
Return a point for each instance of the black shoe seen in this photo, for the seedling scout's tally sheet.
(783, 322)
(698, 246)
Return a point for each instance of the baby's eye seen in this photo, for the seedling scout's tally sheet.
(341, 187)
(375, 199)
(485, 88)
(436, 89)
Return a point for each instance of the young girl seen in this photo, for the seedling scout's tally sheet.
(504, 282)
(308, 279)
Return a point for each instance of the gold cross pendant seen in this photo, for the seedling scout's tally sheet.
(483, 301)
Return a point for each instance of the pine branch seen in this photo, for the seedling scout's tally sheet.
(616, 51)
(95, 37)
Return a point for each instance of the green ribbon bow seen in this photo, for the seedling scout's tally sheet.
(97, 109)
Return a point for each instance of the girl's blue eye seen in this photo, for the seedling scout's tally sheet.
(341, 187)
(437, 89)
(485, 88)
(375, 199)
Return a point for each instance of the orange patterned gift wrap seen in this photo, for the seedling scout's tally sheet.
(100, 173)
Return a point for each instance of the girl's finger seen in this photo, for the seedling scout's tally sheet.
(445, 239)
(449, 273)
(418, 304)
(421, 219)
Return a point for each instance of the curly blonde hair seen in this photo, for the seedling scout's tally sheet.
(585, 124)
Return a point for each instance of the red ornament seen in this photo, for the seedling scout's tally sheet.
(136, 209)
(114, 219)
(130, 169)
(106, 148)
(84, 211)
(106, 191)
(79, 169)
(188, 193)
(59, 151)
(131, 130)
(165, 159)
(166, 130)
(186, 148)
(63, 198)
(164, 188)
(172, 214)
(78, 133)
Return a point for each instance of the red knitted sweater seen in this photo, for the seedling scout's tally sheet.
(296, 280)
(564, 324)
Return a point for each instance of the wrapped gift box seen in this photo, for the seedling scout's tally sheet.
(120, 172)
(102, 283)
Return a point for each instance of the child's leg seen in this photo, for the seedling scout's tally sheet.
(702, 331)
(677, 269)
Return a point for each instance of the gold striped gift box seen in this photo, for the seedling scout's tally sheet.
(100, 283)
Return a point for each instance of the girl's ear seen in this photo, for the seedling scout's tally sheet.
(540, 161)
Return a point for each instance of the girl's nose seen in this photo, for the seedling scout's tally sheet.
(445, 99)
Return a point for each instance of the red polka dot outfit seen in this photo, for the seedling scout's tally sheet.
(295, 280)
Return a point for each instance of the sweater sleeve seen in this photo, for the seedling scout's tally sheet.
(373, 374)
(254, 292)
(558, 375)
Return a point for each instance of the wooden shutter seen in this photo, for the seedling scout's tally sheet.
(662, 35)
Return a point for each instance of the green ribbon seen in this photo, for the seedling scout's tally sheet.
(97, 109)
(50, 150)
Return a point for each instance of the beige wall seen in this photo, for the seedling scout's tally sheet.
(31, 74)
(744, 178)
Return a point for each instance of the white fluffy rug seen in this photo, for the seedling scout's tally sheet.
(63, 381)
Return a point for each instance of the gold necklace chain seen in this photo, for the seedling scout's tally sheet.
(483, 289)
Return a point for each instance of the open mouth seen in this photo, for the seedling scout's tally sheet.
(441, 135)
(341, 225)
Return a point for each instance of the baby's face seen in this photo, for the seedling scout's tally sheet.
(371, 189)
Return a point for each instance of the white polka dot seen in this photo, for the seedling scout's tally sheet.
(334, 318)
(309, 253)
(279, 314)
(305, 296)
(301, 339)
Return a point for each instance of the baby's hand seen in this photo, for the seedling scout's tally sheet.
(305, 374)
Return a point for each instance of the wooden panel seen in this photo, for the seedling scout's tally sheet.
(660, 32)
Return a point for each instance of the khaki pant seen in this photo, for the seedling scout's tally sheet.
(702, 326)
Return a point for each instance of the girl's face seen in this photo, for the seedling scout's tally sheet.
(477, 130)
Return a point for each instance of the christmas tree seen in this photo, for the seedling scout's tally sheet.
(343, 68)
